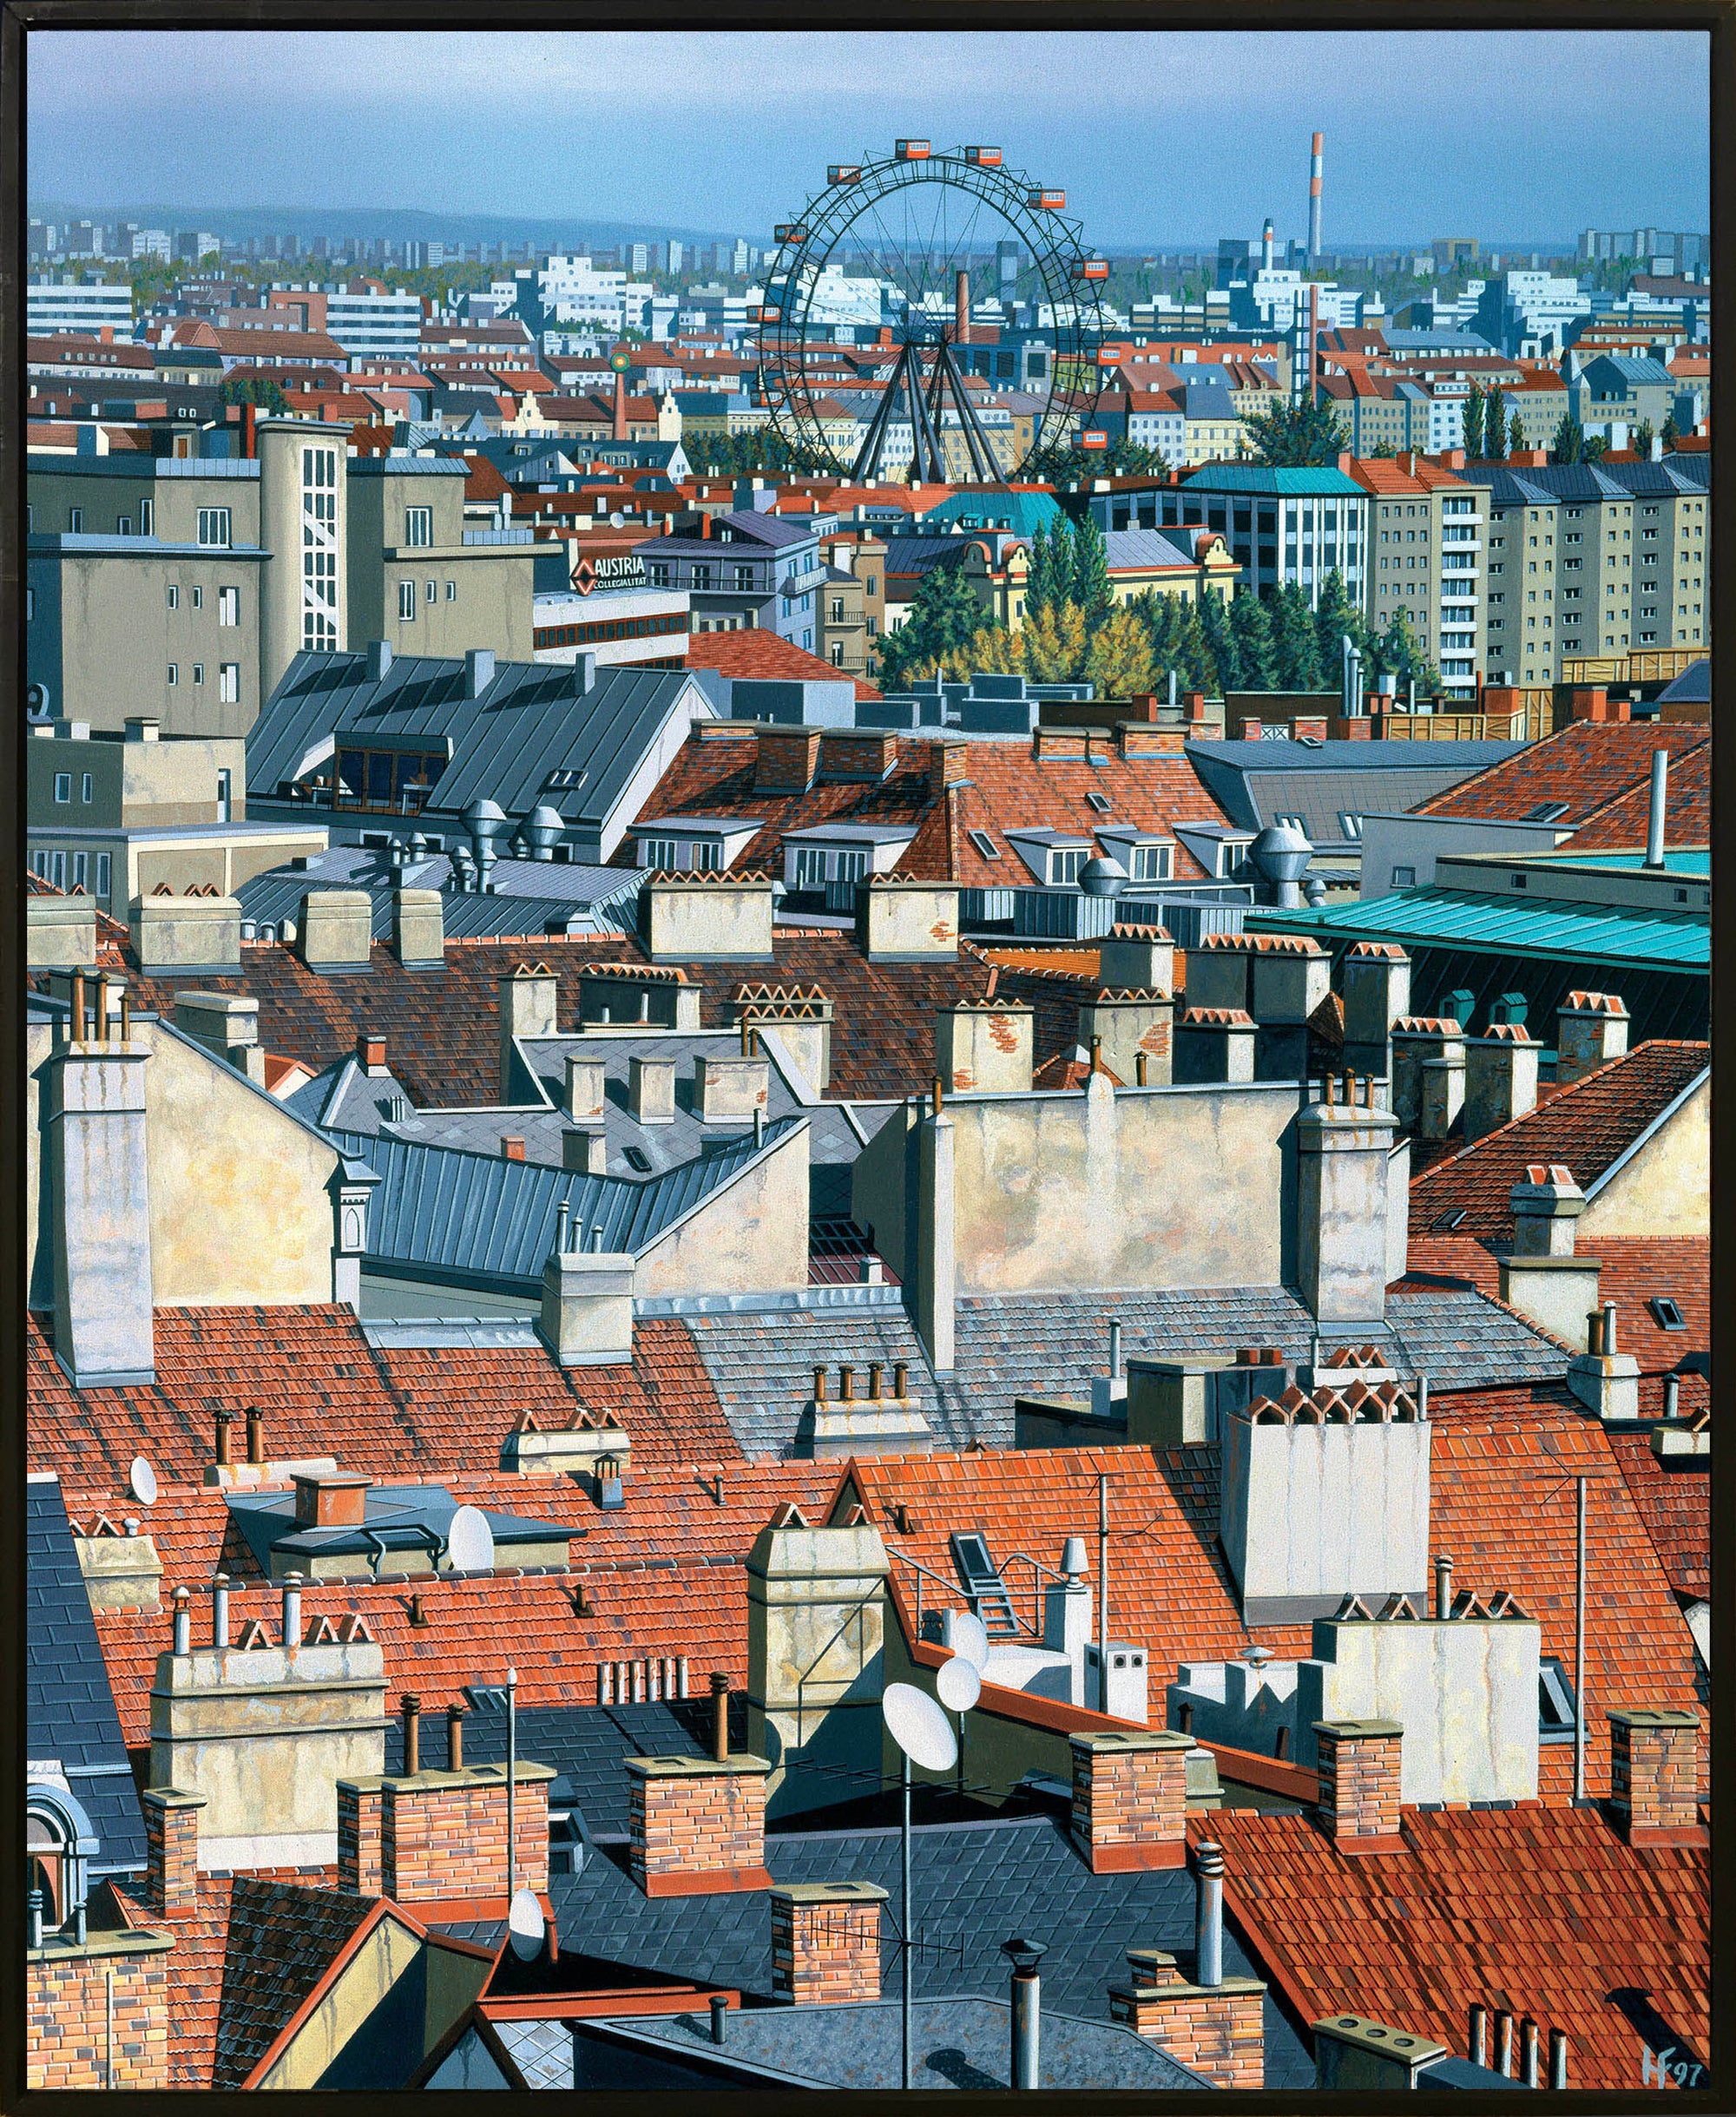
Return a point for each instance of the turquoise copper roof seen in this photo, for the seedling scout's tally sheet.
(1473, 919)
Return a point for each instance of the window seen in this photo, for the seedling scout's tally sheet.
(1666, 1314)
(102, 873)
(1149, 863)
(224, 784)
(985, 845)
(75, 521)
(1100, 802)
(1065, 861)
(62, 786)
(701, 577)
(743, 579)
(1555, 1710)
(174, 673)
(1351, 825)
(123, 525)
(199, 672)
(1402, 879)
(214, 526)
(838, 653)
(637, 1158)
(406, 601)
(173, 598)
(451, 591)
(148, 527)
(418, 526)
(198, 599)
(86, 785)
(318, 549)
(433, 587)
(659, 852)
(228, 606)
(229, 683)
(659, 574)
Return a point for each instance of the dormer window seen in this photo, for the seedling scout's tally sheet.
(1064, 863)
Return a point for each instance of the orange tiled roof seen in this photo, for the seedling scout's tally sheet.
(760, 654)
(1586, 1125)
(1619, 824)
(1587, 764)
(1546, 1912)
(1674, 1501)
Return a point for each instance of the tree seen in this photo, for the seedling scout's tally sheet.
(1494, 428)
(1402, 653)
(1336, 616)
(1250, 623)
(1297, 642)
(268, 396)
(1515, 434)
(1091, 589)
(1220, 641)
(1672, 432)
(1190, 651)
(1055, 644)
(1643, 438)
(1296, 434)
(945, 616)
(1473, 420)
(1119, 660)
(992, 649)
(1572, 444)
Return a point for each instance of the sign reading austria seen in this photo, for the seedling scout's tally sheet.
(626, 572)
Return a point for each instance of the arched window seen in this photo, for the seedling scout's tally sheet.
(58, 1844)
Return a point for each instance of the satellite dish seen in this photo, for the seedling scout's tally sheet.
(958, 1685)
(526, 1927)
(969, 1638)
(470, 1541)
(919, 1727)
(141, 1481)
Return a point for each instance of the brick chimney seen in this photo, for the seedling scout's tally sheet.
(171, 1849)
(1654, 1775)
(825, 1943)
(1130, 1800)
(1501, 1078)
(1591, 1029)
(440, 1836)
(696, 1825)
(949, 765)
(1211, 2023)
(1360, 1762)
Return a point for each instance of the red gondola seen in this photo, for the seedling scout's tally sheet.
(910, 150)
(1047, 202)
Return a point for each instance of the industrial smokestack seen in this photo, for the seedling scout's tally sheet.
(1314, 161)
(961, 308)
(1265, 246)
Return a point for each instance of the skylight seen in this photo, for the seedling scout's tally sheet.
(1443, 1224)
(1666, 1314)
(985, 845)
(1546, 811)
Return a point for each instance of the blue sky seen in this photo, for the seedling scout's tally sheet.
(1164, 137)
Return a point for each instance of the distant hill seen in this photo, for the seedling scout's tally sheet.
(372, 223)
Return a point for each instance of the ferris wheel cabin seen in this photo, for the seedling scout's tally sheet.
(910, 150)
(795, 232)
(983, 157)
(1091, 268)
(1047, 202)
(844, 172)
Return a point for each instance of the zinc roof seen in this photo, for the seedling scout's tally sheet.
(1477, 920)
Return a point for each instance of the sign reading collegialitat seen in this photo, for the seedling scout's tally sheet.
(627, 571)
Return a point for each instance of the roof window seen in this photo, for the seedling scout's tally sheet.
(1546, 811)
(985, 845)
(1100, 802)
(1666, 1314)
(638, 1159)
(1444, 1223)
(1554, 1701)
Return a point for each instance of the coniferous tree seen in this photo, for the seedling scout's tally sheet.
(1296, 434)
(1402, 653)
(1040, 580)
(1643, 438)
(1055, 644)
(1516, 433)
(1337, 617)
(945, 616)
(1119, 660)
(1195, 669)
(1473, 422)
(1091, 589)
(1298, 644)
(1671, 431)
(1494, 428)
(1220, 641)
(1250, 623)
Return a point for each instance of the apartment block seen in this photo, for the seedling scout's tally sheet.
(1428, 553)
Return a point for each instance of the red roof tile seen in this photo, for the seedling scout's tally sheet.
(758, 654)
(1544, 1912)
(1620, 824)
(1588, 1125)
(1587, 765)
(1674, 1501)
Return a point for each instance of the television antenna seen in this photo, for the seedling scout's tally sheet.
(470, 1541)
(925, 1737)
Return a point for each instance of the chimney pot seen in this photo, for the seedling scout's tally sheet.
(256, 1449)
(220, 1609)
(1477, 2042)
(820, 1385)
(1530, 2072)
(846, 1384)
(719, 1708)
(1609, 1330)
(1443, 1587)
(292, 1609)
(876, 1368)
(455, 1737)
(182, 1629)
(225, 1420)
(1503, 2043)
(900, 1380)
(410, 1705)
(1558, 2058)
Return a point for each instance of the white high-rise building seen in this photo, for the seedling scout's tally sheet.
(375, 323)
(52, 305)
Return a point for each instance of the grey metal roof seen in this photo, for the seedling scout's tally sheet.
(443, 1211)
(397, 1518)
(916, 554)
(532, 720)
(1131, 548)
(528, 895)
(137, 547)
(1050, 1345)
(749, 526)
(761, 1365)
(1253, 782)
(959, 2041)
(406, 466)
(974, 1885)
(69, 1716)
(1694, 685)
(134, 465)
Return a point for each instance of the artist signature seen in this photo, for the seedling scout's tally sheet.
(1667, 2070)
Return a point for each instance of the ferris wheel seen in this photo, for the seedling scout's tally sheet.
(901, 254)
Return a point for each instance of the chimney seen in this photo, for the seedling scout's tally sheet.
(1213, 1045)
(1324, 1495)
(478, 671)
(511, 1147)
(984, 1047)
(1546, 1203)
(427, 1837)
(651, 1089)
(1219, 972)
(1654, 1775)
(378, 660)
(1541, 1277)
(1130, 1800)
(583, 1091)
(1591, 1029)
(1139, 959)
(226, 1024)
(1359, 1765)
(370, 1057)
(1344, 1200)
(618, 422)
(587, 1319)
(419, 929)
(715, 918)
(1352, 2051)
(528, 1008)
(1605, 1381)
(1212, 2024)
(900, 918)
(825, 1943)
(1134, 1033)
(171, 1849)
(1501, 1078)
(1316, 158)
(104, 1325)
(1376, 994)
(696, 1826)
(584, 1150)
(336, 929)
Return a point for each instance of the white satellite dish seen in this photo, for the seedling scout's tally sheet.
(470, 1541)
(958, 1685)
(921, 1730)
(969, 1637)
(141, 1481)
(525, 1925)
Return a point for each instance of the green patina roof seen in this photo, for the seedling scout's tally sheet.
(1429, 917)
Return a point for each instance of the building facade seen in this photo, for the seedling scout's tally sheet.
(745, 570)
(1429, 556)
(1281, 526)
